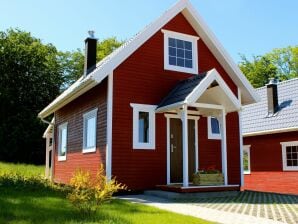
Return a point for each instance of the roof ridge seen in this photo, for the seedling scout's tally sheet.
(279, 83)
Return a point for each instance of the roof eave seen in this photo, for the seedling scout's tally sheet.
(273, 131)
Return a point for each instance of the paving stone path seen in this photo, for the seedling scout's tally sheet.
(247, 207)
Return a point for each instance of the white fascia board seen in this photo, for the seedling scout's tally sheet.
(211, 76)
(220, 53)
(267, 132)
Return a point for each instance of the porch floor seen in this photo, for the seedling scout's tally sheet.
(195, 188)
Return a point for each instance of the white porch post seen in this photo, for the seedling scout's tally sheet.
(224, 147)
(185, 145)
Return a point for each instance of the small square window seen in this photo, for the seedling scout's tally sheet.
(180, 52)
(143, 127)
(213, 128)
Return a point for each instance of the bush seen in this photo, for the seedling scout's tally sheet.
(88, 193)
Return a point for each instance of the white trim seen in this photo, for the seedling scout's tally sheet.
(212, 135)
(189, 117)
(86, 116)
(108, 64)
(207, 105)
(247, 149)
(284, 156)
(211, 186)
(60, 128)
(185, 37)
(151, 110)
(224, 163)
(185, 146)
(240, 141)
(109, 127)
(267, 132)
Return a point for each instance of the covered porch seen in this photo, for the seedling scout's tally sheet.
(204, 95)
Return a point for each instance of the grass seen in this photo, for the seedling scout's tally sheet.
(22, 204)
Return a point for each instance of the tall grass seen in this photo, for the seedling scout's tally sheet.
(21, 169)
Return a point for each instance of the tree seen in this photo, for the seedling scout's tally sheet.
(258, 71)
(73, 62)
(31, 77)
(280, 63)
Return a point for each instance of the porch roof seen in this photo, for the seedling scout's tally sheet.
(182, 90)
(200, 91)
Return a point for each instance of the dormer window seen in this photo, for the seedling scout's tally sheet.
(180, 52)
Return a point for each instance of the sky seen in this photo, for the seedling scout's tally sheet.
(249, 27)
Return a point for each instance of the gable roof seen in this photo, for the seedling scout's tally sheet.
(255, 119)
(109, 63)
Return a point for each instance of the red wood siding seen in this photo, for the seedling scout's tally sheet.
(266, 164)
(73, 114)
(142, 79)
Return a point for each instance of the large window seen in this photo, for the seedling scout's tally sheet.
(246, 159)
(213, 128)
(143, 126)
(290, 155)
(62, 142)
(89, 131)
(180, 52)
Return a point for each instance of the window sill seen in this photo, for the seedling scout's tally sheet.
(289, 169)
(89, 150)
(143, 147)
(181, 69)
(246, 172)
(61, 158)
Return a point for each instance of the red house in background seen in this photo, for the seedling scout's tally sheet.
(150, 111)
(270, 130)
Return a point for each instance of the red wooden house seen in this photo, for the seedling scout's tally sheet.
(270, 130)
(156, 110)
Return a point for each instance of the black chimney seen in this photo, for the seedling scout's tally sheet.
(90, 53)
(272, 96)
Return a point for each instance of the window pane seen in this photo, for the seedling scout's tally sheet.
(180, 53)
(292, 155)
(188, 63)
(188, 45)
(144, 127)
(180, 44)
(180, 62)
(188, 54)
(172, 42)
(63, 141)
(90, 132)
(214, 126)
(172, 51)
(172, 61)
(289, 162)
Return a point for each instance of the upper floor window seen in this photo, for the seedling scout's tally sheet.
(180, 52)
(143, 126)
(62, 141)
(89, 131)
(290, 155)
(213, 128)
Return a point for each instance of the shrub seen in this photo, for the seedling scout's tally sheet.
(88, 193)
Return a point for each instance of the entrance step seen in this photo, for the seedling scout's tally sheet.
(175, 195)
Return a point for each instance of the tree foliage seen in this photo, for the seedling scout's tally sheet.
(32, 75)
(280, 63)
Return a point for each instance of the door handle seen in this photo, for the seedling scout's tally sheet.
(172, 148)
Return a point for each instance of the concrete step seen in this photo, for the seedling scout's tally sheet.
(175, 195)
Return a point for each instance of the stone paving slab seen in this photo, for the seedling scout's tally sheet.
(235, 210)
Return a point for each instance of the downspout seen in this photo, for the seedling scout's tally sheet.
(240, 141)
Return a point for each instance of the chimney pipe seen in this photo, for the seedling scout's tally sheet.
(272, 96)
(90, 53)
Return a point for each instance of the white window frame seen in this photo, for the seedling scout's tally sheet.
(181, 36)
(60, 128)
(284, 156)
(86, 116)
(151, 110)
(211, 135)
(247, 149)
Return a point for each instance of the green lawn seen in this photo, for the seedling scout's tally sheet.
(35, 204)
